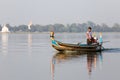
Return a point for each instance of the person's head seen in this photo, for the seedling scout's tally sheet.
(89, 29)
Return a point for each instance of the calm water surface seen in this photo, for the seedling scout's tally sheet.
(29, 56)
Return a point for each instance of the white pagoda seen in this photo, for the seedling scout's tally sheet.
(5, 29)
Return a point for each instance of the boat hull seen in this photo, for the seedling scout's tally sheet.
(59, 46)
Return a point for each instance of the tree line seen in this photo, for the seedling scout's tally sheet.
(74, 27)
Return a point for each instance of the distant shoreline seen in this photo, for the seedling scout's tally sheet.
(74, 28)
(55, 32)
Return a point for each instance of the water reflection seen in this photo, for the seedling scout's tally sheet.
(112, 50)
(4, 43)
(29, 43)
(92, 60)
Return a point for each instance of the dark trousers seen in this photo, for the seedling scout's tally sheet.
(90, 41)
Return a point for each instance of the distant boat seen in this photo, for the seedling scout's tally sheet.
(5, 29)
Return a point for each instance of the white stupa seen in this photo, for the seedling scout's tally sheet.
(5, 29)
(29, 25)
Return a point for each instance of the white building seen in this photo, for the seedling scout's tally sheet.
(5, 29)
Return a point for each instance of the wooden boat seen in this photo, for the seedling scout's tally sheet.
(76, 47)
(95, 47)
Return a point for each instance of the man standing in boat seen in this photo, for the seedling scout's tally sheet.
(90, 39)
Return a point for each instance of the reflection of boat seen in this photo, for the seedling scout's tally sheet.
(75, 47)
(92, 59)
(61, 56)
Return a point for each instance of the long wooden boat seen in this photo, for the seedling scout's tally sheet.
(59, 46)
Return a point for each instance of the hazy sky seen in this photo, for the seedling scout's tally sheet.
(17, 12)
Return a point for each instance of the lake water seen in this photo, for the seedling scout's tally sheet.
(29, 56)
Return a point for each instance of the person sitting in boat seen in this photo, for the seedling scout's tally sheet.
(95, 38)
(52, 34)
(89, 36)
